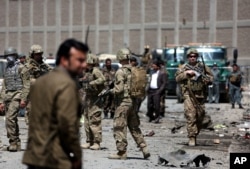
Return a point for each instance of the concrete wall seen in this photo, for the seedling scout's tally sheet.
(118, 23)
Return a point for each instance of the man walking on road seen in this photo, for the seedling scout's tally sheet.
(31, 71)
(156, 89)
(92, 111)
(125, 113)
(194, 89)
(53, 138)
(234, 83)
(10, 98)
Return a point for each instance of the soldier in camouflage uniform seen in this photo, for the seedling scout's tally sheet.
(109, 74)
(94, 84)
(32, 70)
(146, 59)
(234, 83)
(125, 113)
(10, 97)
(22, 58)
(194, 91)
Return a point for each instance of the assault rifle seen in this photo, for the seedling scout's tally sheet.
(105, 92)
(199, 71)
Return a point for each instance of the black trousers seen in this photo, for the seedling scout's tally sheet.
(154, 105)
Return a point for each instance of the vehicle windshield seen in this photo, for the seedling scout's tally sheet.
(169, 54)
(2, 68)
(211, 54)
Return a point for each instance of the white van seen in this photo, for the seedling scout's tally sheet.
(51, 62)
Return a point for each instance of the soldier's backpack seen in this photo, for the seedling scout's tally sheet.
(138, 82)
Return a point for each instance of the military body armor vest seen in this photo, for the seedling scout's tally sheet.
(197, 86)
(90, 90)
(13, 80)
(39, 71)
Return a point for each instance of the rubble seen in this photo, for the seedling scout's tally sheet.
(246, 115)
(180, 158)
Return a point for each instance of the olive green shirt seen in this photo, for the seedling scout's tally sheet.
(53, 138)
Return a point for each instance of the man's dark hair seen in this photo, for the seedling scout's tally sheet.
(64, 49)
(157, 62)
(235, 65)
(107, 60)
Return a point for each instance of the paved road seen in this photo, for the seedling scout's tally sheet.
(162, 142)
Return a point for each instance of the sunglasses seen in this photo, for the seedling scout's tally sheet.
(192, 56)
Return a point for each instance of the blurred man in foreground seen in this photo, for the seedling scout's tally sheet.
(53, 138)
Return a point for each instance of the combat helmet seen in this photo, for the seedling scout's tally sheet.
(92, 59)
(192, 51)
(35, 49)
(123, 54)
(21, 55)
(10, 51)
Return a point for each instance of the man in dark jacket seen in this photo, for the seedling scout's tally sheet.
(53, 138)
(157, 85)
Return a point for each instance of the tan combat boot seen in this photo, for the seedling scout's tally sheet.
(121, 155)
(86, 145)
(95, 146)
(192, 141)
(12, 147)
(144, 150)
(19, 146)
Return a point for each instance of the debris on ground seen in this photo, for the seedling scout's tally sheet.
(220, 126)
(150, 134)
(216, 141)
(246, 115)
(176, 128)
(247, 135)
(180, 158)
(234, 123)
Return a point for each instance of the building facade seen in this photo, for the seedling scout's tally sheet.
(117, 23)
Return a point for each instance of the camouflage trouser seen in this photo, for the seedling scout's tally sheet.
(82, 95)
(92, 121)
(109, 104)
(27, 113)
(126, 116)
(194, 115)
(139, 102)
(12, 108)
